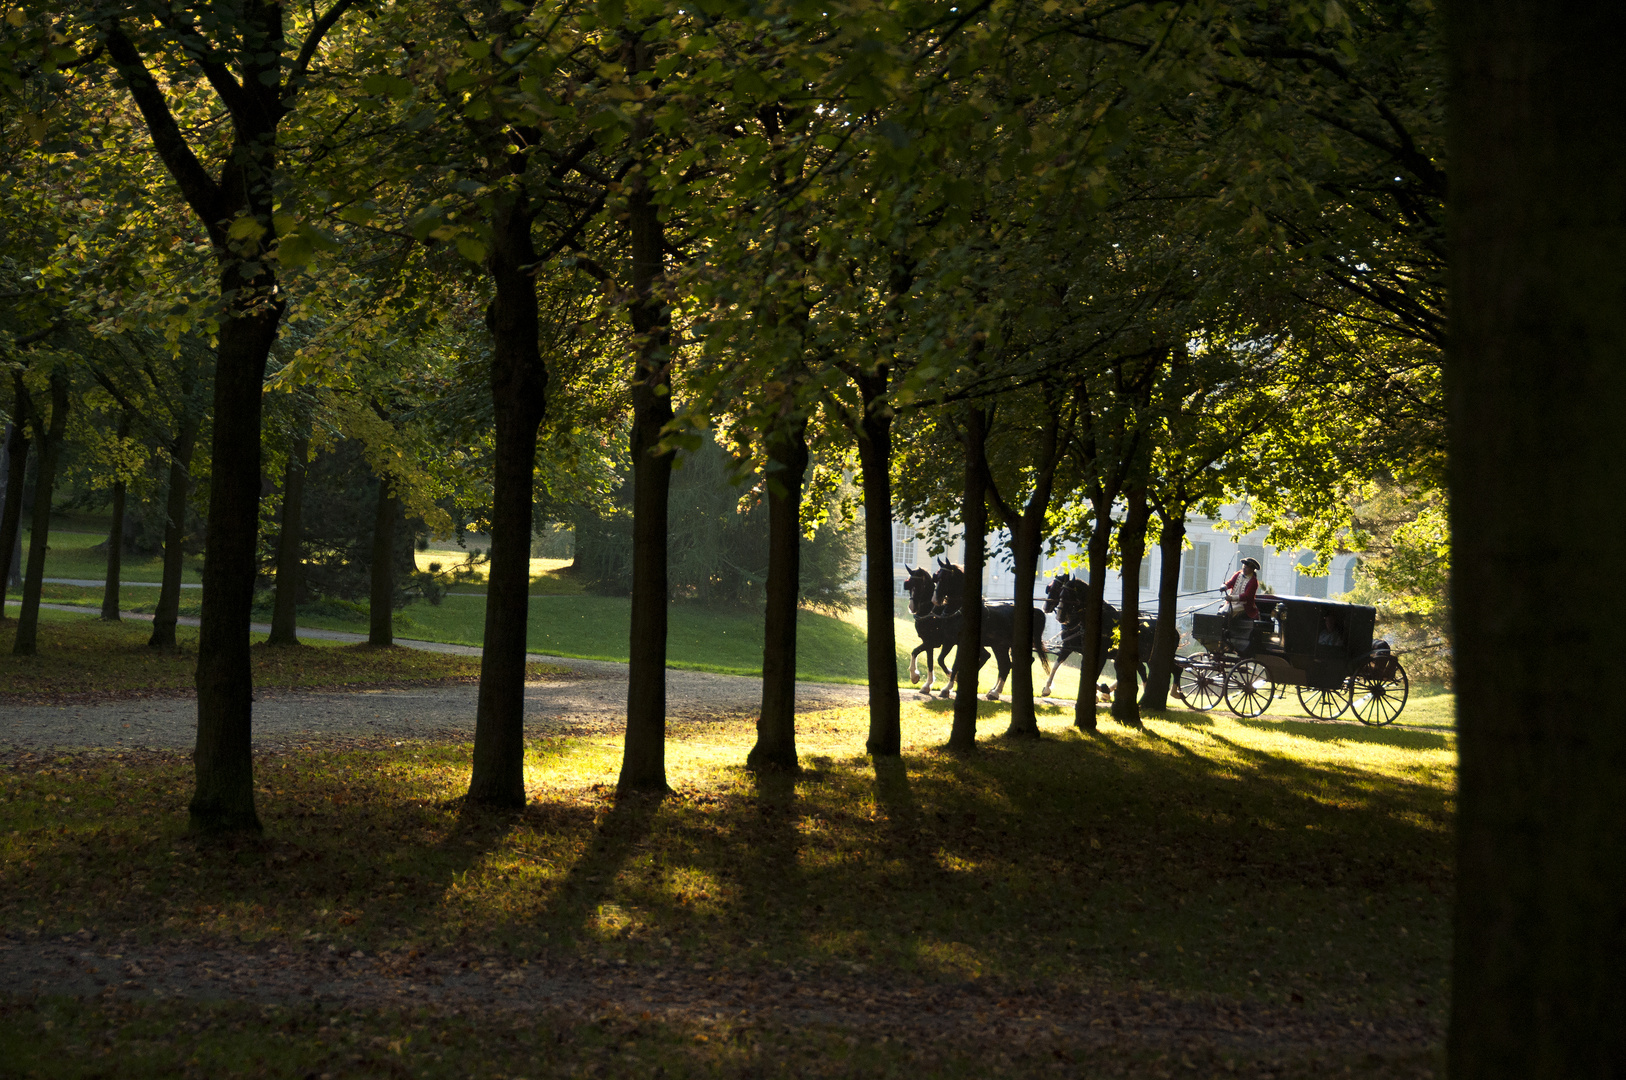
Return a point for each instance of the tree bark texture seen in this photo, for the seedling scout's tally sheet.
(115, 539)
(519, 385)
(1166, 641)
(1132, 543)
(1536, 378)
(1027, 537)
(381, 573)
(11, 510)
(50, 440)
(881, 647)
(290, 538)
(1090, 660)
(224, 762)
(974, 520)
(775, 749)
(643, 762)
(168, 612)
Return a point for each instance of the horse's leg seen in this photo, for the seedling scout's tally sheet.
(1003, 659)
(930, 671)
(914, 664)
(1061, 658)
(948, 669)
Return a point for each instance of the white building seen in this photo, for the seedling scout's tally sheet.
(1208, 559)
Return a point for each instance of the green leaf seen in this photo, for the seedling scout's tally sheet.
(471, 249)
(612, 11)
(294, 251)
(245, 228)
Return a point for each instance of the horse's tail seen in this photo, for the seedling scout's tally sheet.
(1038, 640)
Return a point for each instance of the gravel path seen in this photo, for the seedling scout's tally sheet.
(595, 701)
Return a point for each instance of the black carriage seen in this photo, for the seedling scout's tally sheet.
(1324, 649)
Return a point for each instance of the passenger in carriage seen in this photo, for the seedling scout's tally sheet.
(1239, 591)
(1332, 631)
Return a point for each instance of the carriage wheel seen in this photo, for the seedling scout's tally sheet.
(1378, 691)
(1202, 682)
(1248, 689)
(1324, 704)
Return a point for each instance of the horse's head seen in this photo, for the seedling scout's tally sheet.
(950, 586)
(919, 586)
(1055, 591)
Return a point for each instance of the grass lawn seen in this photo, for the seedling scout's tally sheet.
(84, 659)
(1284, 874)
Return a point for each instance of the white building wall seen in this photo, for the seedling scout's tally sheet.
(1202, 571)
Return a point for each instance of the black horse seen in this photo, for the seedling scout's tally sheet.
(931, 626)
(1067, 596)
(998, 627)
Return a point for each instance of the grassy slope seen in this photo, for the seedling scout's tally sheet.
(1294, 865)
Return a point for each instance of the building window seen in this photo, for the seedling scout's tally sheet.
(1194, 572)
(903, 545)
(1146, 571)
(1304, 584)
(1349, 574)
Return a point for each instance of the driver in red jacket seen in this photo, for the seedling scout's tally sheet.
(1240, 588)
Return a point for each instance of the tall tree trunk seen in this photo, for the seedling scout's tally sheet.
(50, 442)
(881, 647)
(224, 759)
(1166, 641)
(974, 518)
(519, 386)
(643, 762)
(775, 748)
(168, 613)
(11, 511)
(290, 538)
(1132, 543)
(115, 538)
(1089, 653)
(381, 573)
(1537, 374)
(1026, 540)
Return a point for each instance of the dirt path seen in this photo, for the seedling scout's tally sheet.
(594, 701)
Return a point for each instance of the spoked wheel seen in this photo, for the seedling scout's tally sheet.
(1378, 690)
(1324, 704)
(1202, 682)
(1248, 689)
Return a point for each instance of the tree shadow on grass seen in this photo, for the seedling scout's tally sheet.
(1338, 731)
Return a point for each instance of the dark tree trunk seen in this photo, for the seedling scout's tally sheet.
(1025, 541)
(643, 762)
(1537, 375)
(50, 442)
(290, 538)
(776, 728)
(168, 612)
(224, 760)
(1090, 660)
(881, 647)
(1165, 642)
(1132, 542)
(115, 539)
(11, 511)
(519, 385)
(381, 572)
(1027, 537)
(974, 519)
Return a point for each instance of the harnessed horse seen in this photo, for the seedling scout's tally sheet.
(929, 625)
(998, 627)
(1067, 596)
